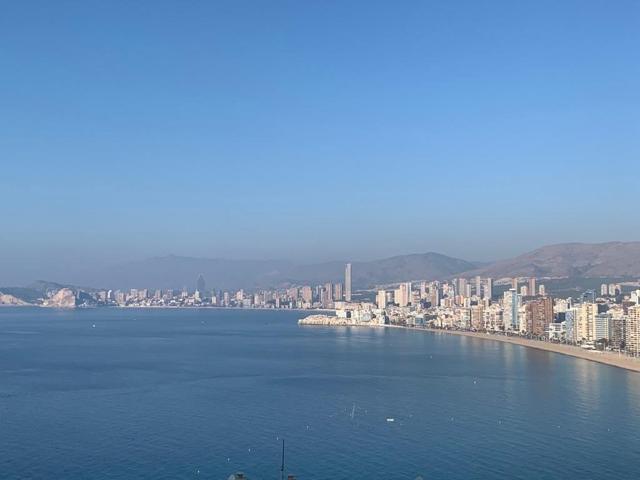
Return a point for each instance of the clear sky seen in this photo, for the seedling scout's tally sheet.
(314, 130)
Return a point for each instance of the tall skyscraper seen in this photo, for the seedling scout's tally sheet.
(462, 286)
(532, 286)
(307, 294)
(511, 306)
(200, 284)
(488, 289)
(632, 331)
(585, 320)
(381, 299)
(478, 286)
(337, 292)
(347, 282)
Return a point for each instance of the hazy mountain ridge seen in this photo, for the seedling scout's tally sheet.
(418, 266)
(177, 272)
(610, 259)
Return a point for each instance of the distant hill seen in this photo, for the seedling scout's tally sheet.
(611, 259)
(419, 266)
(176, 272)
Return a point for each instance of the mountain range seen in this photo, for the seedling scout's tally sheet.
(613, 259)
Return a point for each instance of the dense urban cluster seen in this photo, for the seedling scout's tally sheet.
(608, 320)
(294, 297)
(604, 320)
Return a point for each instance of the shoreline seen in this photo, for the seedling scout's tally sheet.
(623, 361)
(606, 358)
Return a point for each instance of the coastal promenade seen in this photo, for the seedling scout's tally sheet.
(607, 358)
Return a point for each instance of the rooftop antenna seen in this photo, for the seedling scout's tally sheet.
(282, 465)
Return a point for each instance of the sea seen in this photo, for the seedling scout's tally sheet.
(112, 393)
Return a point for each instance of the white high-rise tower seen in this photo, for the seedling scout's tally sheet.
(347, 282)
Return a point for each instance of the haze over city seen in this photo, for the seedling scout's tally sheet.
(313, 131)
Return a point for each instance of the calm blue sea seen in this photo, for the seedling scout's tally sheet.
(200, 394)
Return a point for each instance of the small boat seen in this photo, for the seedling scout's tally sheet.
(391, 419)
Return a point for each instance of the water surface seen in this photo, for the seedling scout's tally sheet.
(188, 394)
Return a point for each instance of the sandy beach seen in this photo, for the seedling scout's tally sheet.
(608, 358)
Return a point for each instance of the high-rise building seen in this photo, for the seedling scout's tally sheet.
(632, 331)
(337, 292)
(467, 290)
(381, 299)
(434, 294)
(347, 282)
(478, 286)
(403, 294)
(462, 286)
(514, 283)
(584, 321)
(488, 288)
(602, 323)
(542, 291)
(328, 296)
(477, 317)
(511, 307)
(200, 284)
(532, 286)
(539, 314)
(618, 322)
(423, 290)
(307, 294)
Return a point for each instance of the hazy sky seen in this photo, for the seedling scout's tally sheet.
(313, 129)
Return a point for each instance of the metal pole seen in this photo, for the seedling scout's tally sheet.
(282, 465)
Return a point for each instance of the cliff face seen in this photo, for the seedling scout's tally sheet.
(64, 298)
(6, 299)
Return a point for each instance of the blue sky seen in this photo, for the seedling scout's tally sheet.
(314, 130)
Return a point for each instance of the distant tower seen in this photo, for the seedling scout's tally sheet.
(200, 284)
(532, 286)
(488, 291)
(511, 305)
(347, 282)
(381, 299)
